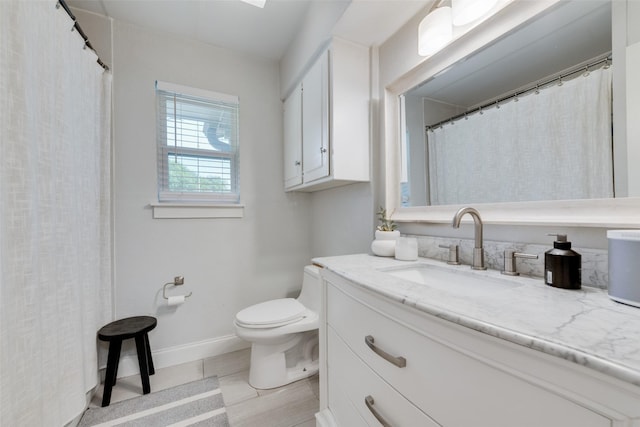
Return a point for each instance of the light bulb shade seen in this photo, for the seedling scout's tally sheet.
(256, 3)
(466, 11)
(435, 31)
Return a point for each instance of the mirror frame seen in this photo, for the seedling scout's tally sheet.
(621, 212)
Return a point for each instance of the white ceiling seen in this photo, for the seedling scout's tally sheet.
(266, 32)
(372, 22)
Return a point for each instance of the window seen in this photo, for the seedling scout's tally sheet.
(197, 136)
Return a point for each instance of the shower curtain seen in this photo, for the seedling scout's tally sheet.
(55, 250)
(549, 146)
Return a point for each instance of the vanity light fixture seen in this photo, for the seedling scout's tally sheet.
(256, 3)
(464, 12)
(435, 31)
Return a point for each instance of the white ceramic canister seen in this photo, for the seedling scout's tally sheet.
(406, 248)
(385, 243)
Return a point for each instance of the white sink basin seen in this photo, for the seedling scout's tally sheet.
(458, 279)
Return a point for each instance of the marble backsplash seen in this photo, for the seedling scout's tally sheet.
(595, 262)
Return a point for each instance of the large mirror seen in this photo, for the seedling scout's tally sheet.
(560, 47)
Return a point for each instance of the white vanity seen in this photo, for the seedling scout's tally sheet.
(427, 344)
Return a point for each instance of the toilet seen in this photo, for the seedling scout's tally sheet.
(283, 335)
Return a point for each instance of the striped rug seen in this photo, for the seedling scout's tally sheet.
(198, 403)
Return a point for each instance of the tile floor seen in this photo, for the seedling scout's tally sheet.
(293, 405)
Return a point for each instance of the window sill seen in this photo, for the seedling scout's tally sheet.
(195, 210)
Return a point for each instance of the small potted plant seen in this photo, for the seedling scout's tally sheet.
(386, 235)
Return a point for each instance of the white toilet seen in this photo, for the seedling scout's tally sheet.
(283, 335)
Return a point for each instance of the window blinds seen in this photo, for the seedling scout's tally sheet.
(197, 137)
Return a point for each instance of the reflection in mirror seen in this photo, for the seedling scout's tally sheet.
(496, 137)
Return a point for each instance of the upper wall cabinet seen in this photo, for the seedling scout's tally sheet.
(326, 121)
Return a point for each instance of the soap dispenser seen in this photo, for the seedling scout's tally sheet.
(562, 265)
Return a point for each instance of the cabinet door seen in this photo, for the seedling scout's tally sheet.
(315, 121)
(293, 139)
(353, 385)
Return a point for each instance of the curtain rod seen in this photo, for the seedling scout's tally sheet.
(606, 59)
(77, 27)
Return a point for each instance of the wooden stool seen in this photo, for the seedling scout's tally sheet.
(118, 331)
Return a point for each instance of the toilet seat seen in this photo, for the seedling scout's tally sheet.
(271, 314)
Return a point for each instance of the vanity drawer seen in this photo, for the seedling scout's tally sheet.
(343, 410)
(450, 386)
(352, 380)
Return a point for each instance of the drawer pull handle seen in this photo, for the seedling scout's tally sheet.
(369, 402)
(400, 362)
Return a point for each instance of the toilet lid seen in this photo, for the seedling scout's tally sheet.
(272, 313)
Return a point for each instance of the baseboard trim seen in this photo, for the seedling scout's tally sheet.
(325, 418)
(179, 354)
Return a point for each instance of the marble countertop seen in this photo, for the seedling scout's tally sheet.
(583, 326)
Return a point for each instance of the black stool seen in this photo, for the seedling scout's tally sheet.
(118, 331)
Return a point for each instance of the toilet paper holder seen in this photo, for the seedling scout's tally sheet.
(177, 281)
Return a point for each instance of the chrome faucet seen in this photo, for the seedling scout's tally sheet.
(478, 251)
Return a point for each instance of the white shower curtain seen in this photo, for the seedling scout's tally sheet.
(55, 251)
(549, 146)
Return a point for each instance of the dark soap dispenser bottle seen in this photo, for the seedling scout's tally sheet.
(562, 265)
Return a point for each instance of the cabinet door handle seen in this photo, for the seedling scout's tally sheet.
(323, 150)
(297, 163)
(400, 362)
(369, 402)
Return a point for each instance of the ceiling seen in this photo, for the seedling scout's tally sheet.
(266, 32)
(568, 34)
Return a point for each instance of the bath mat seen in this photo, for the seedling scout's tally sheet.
(198, 403)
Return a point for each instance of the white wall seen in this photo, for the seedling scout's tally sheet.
(98, 29)
(342, 220)
(313, 35)
(228, 264)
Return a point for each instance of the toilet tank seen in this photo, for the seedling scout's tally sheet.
(310, 293)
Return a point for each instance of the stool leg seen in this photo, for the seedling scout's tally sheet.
(112, 367)
(149, 358)
(117, 365)
(142, 361)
